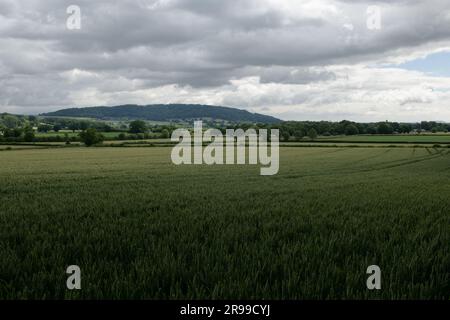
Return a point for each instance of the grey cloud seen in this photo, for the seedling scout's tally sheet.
(295, 75)
(198, 44)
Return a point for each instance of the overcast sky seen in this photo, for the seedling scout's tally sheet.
(293, 59)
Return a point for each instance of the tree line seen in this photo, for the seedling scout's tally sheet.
(16, 128)
(297, 130)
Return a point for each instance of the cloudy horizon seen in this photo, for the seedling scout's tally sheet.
(294, 60)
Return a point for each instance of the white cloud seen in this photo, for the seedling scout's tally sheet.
(292, 59)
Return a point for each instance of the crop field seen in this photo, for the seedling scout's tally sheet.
(17, 147)
(62, 134)
(70, 134)
(429, 138)
(142, 228)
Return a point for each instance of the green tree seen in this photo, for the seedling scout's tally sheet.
(385, 128)
(90, 137)
(10, 121)
(165, 134)
(138, 126)
(44, 128)
(371, 129)
(351, 130)
(28, 134)
(312, 133)
(84, 125)
(298, 134)
(17, 132)
(405, 128)
(286, 135)
(7, 133)
(32, 118)
(66, 137)
(74, 126)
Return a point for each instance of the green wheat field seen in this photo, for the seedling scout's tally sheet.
(140, 227)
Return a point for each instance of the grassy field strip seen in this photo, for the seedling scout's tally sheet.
(391, 138)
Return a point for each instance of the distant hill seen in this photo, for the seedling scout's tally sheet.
(164, 112)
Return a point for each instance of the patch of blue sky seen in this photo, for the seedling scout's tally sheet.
(436, 64)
